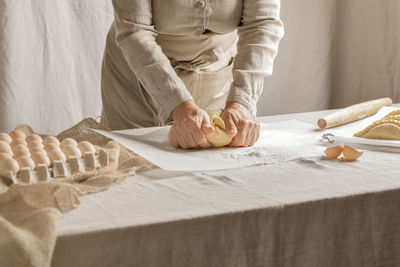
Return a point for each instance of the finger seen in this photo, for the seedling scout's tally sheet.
(230, 125)
(240, 138)
(189, 140)
(200, 139)
(256, 135)
(194, 143)
(172, 137)
(250, 135)
(174, 141)
(182, 141)
(206, 124)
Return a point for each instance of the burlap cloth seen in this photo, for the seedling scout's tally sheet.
(29, 213)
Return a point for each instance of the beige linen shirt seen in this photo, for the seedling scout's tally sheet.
(158, 51)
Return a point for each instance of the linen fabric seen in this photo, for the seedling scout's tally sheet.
(160, 54)
(29, 213)
(307, 212)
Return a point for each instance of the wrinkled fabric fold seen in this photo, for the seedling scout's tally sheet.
(161, 52)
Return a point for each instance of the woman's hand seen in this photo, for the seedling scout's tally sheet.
(191, 124)
(241, 125)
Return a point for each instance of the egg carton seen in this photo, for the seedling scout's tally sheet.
(60, 169)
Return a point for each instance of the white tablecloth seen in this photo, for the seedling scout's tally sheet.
(306, 212)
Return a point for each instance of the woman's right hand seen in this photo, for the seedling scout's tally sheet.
(191, 124)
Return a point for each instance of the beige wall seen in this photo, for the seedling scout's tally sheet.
(335, 53)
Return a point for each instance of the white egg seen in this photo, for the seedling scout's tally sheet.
(18, 141)
(17, 134)
(19, 147)
(5, 156)
(37, 149)
(56, 155)
(35, 144)
(34, 137)
(51, 146)
(72, 151)
(85, 147)
(5, 137)
(51, 140)
(26, 162)
(5, 147)
(68, 142)
(7, 165)
(41, 158)
(20, 153)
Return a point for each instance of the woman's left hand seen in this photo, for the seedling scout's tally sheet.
(240, 124)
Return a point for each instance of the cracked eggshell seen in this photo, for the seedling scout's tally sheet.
(41, 158)
(333, 152)
(17, 134)
(56, 155)
(4, 156)
(6, 138)
(51, 146)
(51, 140)
(18, 141)
(34, 137)
(68, 142)
(5, 147)
(71, 151)
(26, 162)
(85, 147)
(351, 154)
(7, 165)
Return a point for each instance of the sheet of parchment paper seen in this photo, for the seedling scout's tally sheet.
(344, 134)
(278, 142)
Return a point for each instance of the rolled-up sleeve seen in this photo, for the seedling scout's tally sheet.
(259, 34)
(135, 35)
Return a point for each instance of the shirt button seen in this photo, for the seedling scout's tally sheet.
(200, 28)
(201, 3)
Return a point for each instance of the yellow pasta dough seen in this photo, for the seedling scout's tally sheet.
(382, 129)
(219, 137)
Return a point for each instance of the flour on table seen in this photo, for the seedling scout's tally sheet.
(256, 155)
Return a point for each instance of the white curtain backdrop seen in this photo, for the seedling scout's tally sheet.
(335, 53)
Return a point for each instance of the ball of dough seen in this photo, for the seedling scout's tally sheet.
(219, 138)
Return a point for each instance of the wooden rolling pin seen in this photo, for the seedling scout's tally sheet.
(353, 113)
